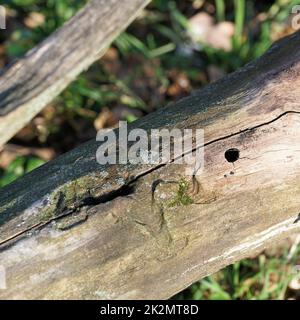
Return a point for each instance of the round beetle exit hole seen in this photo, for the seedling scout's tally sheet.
(232, 155)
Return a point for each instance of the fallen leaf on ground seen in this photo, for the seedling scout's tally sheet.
(202, 29)
(34, 19)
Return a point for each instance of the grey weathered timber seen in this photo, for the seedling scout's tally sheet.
(29, 84)
(75, 229)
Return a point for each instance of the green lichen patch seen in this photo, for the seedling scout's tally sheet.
(182, 197)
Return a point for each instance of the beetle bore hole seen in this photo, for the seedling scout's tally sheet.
(232, 155)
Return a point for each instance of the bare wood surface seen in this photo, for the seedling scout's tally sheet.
(75, 229)
(28, 85)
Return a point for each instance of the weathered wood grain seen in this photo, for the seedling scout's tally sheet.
(28, 85)
(75, 229)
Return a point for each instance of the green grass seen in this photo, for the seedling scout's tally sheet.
(220, 10)
(251, 279)
(18, 168)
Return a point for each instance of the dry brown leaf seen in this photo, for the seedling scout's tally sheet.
(110, 61)
(203, 29)
(105, 119)
(10, 152)
(34, 19)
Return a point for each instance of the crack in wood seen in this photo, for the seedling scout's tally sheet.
(128, 187)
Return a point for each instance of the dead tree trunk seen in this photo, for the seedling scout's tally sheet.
(28, 85)
(73, 229)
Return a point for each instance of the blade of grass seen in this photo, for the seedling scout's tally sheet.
(239, 9)
(162, 50)
(220, 10)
